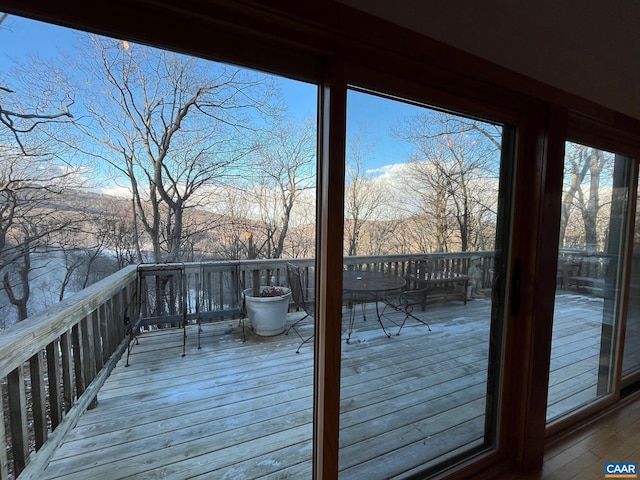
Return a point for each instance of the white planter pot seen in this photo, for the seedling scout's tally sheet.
(268, 315)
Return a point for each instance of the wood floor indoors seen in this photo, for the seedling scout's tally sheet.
(583, 453)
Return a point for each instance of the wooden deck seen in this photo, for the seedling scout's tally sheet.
(575, 353)
(243, 410)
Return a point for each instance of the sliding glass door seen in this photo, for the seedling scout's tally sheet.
(588, 295)
(423, 241)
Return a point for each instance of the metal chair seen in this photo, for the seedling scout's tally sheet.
(162, 302)
(294, 277)
(405, 303)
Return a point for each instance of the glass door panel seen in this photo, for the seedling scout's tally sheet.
(205, 170)
(585, 323)
(421, 336)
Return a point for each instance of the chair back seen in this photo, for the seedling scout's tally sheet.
(294, 278)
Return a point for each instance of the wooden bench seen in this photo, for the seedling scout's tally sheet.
(582, 274)
(440, 284)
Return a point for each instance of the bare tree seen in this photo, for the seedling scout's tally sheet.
(230, 239)
(301, 239)
(33, 104)
(29, 233)
(34, 170)
(363, 197)
(583, 164)
(28, 218)
(171, 125)
(114, 226)
(454, 177)
(287, 170)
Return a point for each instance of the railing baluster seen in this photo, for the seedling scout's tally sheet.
(126, 305)
(4, 459)
(97, 337)
(38, 398)
(55, 392)
(88, 353)
(18, 419)
(78, 370)
(114, 317)
(67, 371)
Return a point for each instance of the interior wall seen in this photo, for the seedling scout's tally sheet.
(588, 48)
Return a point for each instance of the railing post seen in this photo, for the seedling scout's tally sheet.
(255, 282)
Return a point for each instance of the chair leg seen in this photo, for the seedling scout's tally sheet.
(352, 316)
(184, 338)
(293, 325)
(132, 341)
(304, 341)
(409, 314)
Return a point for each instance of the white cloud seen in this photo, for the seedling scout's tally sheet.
(115, 191)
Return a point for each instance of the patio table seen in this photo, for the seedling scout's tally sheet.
(364, 286)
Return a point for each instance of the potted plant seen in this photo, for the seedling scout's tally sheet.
(268, 309)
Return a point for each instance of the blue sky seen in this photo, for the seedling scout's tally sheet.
(20, 38)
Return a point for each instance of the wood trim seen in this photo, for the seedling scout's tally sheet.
(218, 30)
(588, 131)
(329, 248)
(536, 220)
(509, 109)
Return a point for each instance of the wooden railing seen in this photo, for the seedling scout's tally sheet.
(53, 364)
(210, 283)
